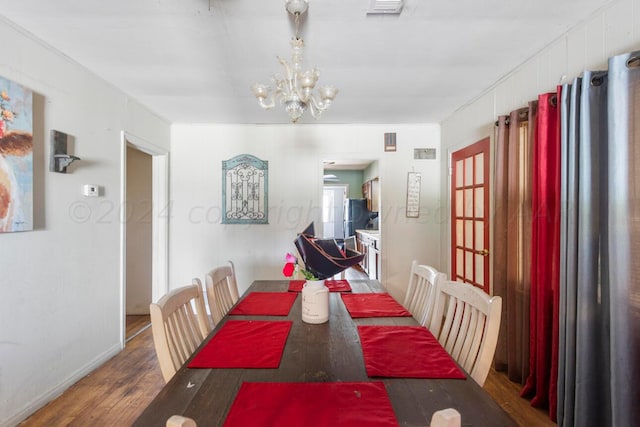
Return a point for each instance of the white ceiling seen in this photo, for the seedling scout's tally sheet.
(193, 61)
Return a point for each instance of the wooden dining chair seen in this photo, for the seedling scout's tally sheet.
(222, 291)
(466, 321)
(420, 296)
(178, 324)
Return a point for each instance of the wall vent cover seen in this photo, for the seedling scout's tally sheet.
(424, 153)
(390, 141)
(385, 7)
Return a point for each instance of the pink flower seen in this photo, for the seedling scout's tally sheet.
(291, 258)
(290, 266)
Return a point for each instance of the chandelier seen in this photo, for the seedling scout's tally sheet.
(294, 89)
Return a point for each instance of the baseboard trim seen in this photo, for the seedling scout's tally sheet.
(141, 330)
(52, 394)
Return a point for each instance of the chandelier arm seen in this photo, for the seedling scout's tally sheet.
(314, 112)
(286, 66)
(316, 108)
(302, 93)
(288, 81)
(320, 106)
(267, 105)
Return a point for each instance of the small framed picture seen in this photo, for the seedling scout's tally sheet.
(413, 195)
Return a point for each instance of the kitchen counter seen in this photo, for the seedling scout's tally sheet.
(375, 234)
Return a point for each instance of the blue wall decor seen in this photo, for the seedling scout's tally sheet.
(245, 190)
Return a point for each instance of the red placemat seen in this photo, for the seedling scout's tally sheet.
(338, 285)
(333, 285)
(405, 352)
(296, 285)
(235, 344)
(265, 304)
(373, 305)
(344, 404)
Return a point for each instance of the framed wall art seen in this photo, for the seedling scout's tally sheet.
(245, 190)
(16, 157)
(413, 194)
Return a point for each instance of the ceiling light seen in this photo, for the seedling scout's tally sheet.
(294, 89)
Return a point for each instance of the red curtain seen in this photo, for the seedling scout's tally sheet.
(541, 384)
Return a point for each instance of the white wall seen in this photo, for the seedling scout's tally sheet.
(611, 31)
(60, 293)
(199, 241)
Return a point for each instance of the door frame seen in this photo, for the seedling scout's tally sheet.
(159, 220)
(346, 196)
(482, 145)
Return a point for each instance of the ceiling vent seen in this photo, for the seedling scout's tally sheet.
(385, 7)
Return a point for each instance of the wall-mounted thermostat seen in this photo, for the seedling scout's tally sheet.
(91, 190)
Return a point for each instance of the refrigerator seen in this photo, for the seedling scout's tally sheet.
(356, 216)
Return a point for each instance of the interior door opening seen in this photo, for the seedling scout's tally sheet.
(139, 241)
(144, 231)
(351, 205)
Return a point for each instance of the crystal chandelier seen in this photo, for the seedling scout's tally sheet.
(294, 89)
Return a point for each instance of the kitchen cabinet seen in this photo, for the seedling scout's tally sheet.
(375, 195)
(366, 193)
(371, 192)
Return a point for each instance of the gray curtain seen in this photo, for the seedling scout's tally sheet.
(599, 322)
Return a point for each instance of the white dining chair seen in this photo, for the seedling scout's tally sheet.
(420, 297)
(222, 291)
(466, 321)
(179, 325)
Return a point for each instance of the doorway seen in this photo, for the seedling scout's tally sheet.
(139, 247)
(143, 230)
(353, 179)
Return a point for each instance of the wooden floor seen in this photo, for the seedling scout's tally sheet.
(117, 392)
(507, 394)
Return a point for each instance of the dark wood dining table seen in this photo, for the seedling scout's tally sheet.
(320, 353)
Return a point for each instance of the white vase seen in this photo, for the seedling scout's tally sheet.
(315, 302)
